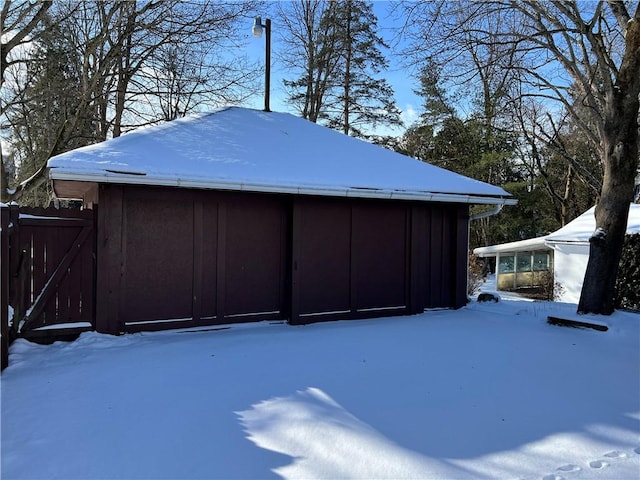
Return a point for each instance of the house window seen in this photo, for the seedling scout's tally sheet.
(524, 262)
(506, 264)
(540, 261)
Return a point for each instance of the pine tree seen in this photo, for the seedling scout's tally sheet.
(340, 83)
(362, 99)
(311, 38)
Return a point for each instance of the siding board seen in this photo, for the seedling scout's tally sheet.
(379, 251)
(109, 252)
(255, 272)
(159, 255)
(322, 260)
(209, 242)
(200, 258)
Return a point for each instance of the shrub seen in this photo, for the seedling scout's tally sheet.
(550, 289)
(628, 281)
(476, 274)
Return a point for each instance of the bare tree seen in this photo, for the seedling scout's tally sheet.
(558, 158)
(310, 54)
(19, 24)
(116, 50)
(574, 54)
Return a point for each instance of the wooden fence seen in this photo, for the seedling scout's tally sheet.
(4, 286)
(48, 273)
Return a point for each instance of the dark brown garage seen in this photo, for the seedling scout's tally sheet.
(195, 226)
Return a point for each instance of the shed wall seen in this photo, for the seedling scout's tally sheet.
(350, 259)
(170, 257)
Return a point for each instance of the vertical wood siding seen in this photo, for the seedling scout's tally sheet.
(4, 286)
(175, 257)
(350, 259)
(184, 258)
(52, 263)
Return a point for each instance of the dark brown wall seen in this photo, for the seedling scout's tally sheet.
(445, 227)
(52, 261)
(4, 286)
(350, 259)
(157, 253)
(173, 257)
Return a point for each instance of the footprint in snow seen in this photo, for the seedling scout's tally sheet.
(570, 468)
(616, 454)
(553, 476)
(598, 464)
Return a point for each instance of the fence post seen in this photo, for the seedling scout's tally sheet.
(4, 285)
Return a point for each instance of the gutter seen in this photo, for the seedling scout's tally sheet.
(135, 178)
(550, 243)
(494, 211)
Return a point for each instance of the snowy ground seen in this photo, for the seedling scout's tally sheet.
(488, 391)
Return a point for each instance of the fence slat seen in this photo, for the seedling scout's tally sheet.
(4, 286)
(54, 281)
(50, 267)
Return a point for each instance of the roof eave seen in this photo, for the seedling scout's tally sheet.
(135, 178)
(551, 242)
(531, 244)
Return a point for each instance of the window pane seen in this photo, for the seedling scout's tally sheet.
(506, 264)
(541, 261)
(524, 262)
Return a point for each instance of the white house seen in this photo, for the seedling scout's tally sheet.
(564, 253)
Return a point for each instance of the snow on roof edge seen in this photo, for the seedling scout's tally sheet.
(518, 246)
(580, 230)
(576, 232)
(271, 151)
(133, 178)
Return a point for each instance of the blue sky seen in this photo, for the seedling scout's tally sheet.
(400, 77)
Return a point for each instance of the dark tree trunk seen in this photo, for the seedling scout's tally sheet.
(620, 165)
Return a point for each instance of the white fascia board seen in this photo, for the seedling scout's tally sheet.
(329, 191)
(552, 243)
(530, 244)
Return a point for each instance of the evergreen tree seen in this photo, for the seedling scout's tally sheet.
(436, 102)
(459, 146)
(340, 82)
(362, 99)
(310, 52)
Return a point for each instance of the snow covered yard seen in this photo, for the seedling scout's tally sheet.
(488, 391)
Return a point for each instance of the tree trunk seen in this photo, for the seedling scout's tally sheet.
(620, 165)
(347, 71)
(124, 72)
(4, 181)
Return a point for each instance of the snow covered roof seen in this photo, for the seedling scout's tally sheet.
(582, 228)
(520, 246)
(578, 230)
(250, 150)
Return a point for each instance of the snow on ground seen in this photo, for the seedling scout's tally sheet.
(488, 391)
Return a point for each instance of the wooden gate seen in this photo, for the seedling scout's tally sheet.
(51, 272)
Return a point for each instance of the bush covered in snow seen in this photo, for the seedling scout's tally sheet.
(628, 282)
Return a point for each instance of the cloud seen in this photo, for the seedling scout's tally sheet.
(409, 115)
